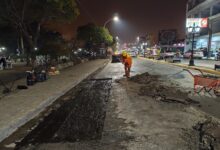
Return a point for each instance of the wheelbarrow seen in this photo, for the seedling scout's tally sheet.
(205, 83)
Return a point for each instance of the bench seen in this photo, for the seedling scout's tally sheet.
(217, 66)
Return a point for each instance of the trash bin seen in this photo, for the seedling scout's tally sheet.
(41, 76)
(30, 78)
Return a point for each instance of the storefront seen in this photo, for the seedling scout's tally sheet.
(202, 42)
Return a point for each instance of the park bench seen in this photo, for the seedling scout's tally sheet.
(217, 66)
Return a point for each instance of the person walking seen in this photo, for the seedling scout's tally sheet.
(3, 61)
(127, 61)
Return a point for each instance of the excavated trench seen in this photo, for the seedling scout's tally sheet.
(81, 118)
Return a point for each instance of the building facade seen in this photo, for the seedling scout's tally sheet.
(208, 38)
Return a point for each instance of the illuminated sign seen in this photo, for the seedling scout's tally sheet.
(197, 22)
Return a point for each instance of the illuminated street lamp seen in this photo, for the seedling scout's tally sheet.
(193, 30)
(138, 39)
(115, 19)
(2, 49)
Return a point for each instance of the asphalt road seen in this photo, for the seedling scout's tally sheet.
(134, 122)
(168, 72)
(171, 75)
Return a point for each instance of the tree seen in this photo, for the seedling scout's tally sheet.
(94, 35)
(8, 39)
(27, 17)
(52, 45)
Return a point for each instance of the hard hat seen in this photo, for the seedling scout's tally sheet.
(124, 53)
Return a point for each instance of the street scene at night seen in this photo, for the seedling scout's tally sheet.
(110, 75)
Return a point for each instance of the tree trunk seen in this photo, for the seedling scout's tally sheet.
(22, 45)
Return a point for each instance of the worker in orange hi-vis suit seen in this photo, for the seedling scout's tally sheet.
(127, 61)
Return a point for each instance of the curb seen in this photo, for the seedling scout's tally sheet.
(6, 132)
(210, 71)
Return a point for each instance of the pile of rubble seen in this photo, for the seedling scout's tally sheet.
(151, 86)
(144, 78)
(208, 134)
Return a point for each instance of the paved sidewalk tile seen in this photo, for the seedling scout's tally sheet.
(20, 107)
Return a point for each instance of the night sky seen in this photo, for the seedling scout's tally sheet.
(138, 17)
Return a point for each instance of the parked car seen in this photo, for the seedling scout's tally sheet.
(187, 54)
(132, 53)
(167, 54)
(196, 54)
(116, 57)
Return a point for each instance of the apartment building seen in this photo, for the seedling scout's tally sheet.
(208, 37)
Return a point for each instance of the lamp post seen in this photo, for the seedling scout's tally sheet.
(193, 30)
(115, 19)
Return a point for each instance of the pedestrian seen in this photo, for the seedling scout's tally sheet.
(3, 60)
(127, 61)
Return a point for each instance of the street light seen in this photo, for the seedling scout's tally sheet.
(193, 30)
(138, 39)
(2, 49)
(115, 19)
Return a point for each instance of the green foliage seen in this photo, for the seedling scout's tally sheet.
(27, 16)
(91, 33)
(38, 10)
(52, 44)
(114, 44)
(55, 10)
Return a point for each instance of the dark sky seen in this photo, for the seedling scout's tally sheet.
(138, 17)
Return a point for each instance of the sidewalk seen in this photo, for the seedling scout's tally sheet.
(20, 107)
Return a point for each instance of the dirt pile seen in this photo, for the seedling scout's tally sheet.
(144, 78)
(151, 86)
(208, 135)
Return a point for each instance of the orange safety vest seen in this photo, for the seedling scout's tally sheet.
(128, 60)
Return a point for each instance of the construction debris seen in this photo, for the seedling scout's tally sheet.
(151, 86)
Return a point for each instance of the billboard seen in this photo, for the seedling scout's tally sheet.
(198, 22)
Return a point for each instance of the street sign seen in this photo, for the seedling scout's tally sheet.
(197, 22)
